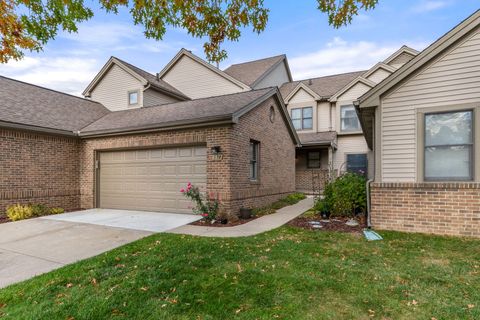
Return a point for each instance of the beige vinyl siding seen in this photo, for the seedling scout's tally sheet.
(276, 77)
(323, 116)
(153, 98)
(401, 60)
(301, 96)
(453, 79)
(112, 91)
(197, 81)
(379, 75)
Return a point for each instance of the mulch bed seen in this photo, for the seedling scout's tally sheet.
(217, 224)
(337, 224)
(4, 218)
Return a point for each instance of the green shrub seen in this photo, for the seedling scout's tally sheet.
(56, 210)
(19, 212)
(39, 210)
(345, 196)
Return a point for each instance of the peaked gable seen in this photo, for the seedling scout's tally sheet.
(197, 78)
(272, 71)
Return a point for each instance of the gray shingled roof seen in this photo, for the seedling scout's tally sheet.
(320, 138)
(249, 72)
(323, 86)
(184, 112)
(27, 104)
(153, 81)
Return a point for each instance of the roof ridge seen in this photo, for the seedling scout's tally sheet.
(331, 75)
(245, 62)
(53, 90)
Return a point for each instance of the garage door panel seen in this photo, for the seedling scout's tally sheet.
(151, 179)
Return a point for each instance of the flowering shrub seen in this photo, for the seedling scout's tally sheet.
(206, 206)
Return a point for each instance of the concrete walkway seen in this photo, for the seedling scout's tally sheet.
(251, 228)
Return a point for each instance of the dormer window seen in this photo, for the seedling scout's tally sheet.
(132, 98)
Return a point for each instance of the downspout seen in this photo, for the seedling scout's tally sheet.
(369, 203)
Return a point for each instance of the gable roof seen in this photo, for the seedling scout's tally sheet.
(355, 81)
(372, 97)
(302, 86)
(366, 104)
(325, 86)
(41, 108)
(199, 112)
(183, 52)
(403, 49)
(252, 72)
(143, 76)
(378, 66)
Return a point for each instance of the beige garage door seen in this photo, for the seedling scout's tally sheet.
(151, 179)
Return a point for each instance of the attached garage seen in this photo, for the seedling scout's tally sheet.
(150, 179)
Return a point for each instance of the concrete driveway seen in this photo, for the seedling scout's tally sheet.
(35, 246)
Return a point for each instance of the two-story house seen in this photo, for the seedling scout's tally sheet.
(324, 116)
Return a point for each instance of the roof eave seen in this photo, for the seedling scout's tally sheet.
(26, 127)
(172, 125)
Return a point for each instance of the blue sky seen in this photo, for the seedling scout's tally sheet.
(295, 28)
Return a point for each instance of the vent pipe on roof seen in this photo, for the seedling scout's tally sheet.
(158, 76)
(310, 82)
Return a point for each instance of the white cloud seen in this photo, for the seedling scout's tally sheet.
(340, 56)
(430, 5)
(66, 74)
(71, 61)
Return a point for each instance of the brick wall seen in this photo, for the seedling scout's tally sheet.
(227, 175)
(310, 180)
(277, 158)
(37, 168)
(439, 208)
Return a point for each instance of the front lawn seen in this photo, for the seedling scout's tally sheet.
(288, 273)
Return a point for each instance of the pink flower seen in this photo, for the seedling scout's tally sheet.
(182, 190)
(189, 184)
(204, 214)
(189, 187)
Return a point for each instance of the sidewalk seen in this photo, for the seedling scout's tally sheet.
(251, 228)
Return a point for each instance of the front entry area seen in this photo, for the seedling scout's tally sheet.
(150, 179)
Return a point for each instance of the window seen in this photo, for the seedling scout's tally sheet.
(448, 146)
(254, 156)
(357, 163)
(133, 97)
(302, 118)
(313, 159)
(348, 119)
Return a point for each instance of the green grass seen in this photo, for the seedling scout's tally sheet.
(289, 200)
(287, 273)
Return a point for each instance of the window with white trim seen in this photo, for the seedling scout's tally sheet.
(448, 146)
(349, 119)
(313, 159)
(302, 118)
(133, 98)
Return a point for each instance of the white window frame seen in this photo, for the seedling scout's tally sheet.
(302, 118)
(359, 129)
(137, 92)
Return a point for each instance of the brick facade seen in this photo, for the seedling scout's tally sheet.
(439, 208)
(38, 168)
(311, 180)
(227, 174)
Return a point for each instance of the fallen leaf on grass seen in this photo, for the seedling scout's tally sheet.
(144, 288)
(69, 285)
(470, 306)
(94, 282)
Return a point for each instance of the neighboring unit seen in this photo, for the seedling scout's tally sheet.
(324, 116)
(423, 123)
